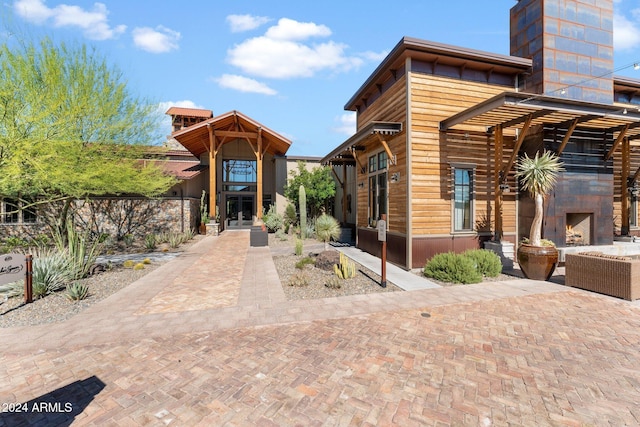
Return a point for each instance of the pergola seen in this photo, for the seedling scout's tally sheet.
(521, 111)
(210, 135)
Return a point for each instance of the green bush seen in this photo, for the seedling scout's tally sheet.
(454, 268)
(487, 262)
(299, 246)
(304, 262)
(273, 220)
(52, 270)
(290, 215)
(77, 291)
(150, 242)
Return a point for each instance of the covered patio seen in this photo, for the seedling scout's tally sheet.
(235, 147)
(596, 142)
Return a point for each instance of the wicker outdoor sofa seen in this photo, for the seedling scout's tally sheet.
(613, 275)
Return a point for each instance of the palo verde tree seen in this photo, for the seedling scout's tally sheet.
(70, 129)
(319, 187)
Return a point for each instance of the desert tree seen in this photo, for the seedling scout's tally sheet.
(70, 128)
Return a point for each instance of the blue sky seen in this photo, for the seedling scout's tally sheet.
(290, 65)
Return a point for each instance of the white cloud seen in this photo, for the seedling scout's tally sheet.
(281, 54)
(156, 40)
(244, 84)
(374, 56)
(32, 10)
(288, 29)
(626, 33)
(240, 23)
(94, 23)
(347, 124)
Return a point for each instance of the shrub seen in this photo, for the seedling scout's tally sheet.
(299, 244)
(327, 228)
(333, 283)
(487, 262)
(175, 239)
(454, 268)
(150, 241)
(282, 236)
(273, 220)
(304, 262)
(290, 216)
(298, 280)
(51, 272)
(128, 239)
(77, 291)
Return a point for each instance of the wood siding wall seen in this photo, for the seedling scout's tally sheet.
(390, 106)
(433, 99)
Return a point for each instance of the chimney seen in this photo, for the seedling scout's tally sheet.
(571, 45)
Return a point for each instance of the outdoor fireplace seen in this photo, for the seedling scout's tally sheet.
(578, 229)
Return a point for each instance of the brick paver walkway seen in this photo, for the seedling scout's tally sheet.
(513, 353)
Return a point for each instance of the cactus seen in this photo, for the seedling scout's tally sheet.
(303, 211)
(346, 269)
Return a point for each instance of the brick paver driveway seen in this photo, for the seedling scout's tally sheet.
(565, 357)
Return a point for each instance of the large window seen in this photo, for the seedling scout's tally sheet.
(13, 212)
(377, 186)
(239, 175)
(463, 198)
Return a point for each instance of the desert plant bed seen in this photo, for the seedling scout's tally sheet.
(614, 275)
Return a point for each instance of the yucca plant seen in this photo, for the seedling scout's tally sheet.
(327, 228)
(538, 175)
(52, 270)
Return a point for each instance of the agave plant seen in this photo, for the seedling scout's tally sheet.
(538, 175)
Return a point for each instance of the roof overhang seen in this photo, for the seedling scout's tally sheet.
(230, 127)
(428, 51)
(513, 110)
(344, 152)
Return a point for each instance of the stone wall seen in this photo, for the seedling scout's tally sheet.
(120, 216)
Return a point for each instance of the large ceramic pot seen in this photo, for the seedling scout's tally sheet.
(537, 262)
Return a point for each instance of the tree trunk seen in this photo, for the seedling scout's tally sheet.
(535, 233)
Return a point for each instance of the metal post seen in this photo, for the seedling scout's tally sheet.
(28, 280)
(382, 236)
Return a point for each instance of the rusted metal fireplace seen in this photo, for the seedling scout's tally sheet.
(578, 229)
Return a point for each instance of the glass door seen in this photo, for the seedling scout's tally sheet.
(239, 212)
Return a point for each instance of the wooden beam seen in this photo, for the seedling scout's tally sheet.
(344, 193)
(355, 156)
(617, 142)
(213, 190)
(237, 134)
(497, 180)
(259, 157)
(624, 197)
(390, 155)
(336, 175)
(516, 148)
(567, 136)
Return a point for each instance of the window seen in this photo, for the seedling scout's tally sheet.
(463, 198)
(11, 211)
(14, 213)
(377, 186)
(239, 175)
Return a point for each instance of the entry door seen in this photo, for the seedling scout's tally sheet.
(240, 210)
